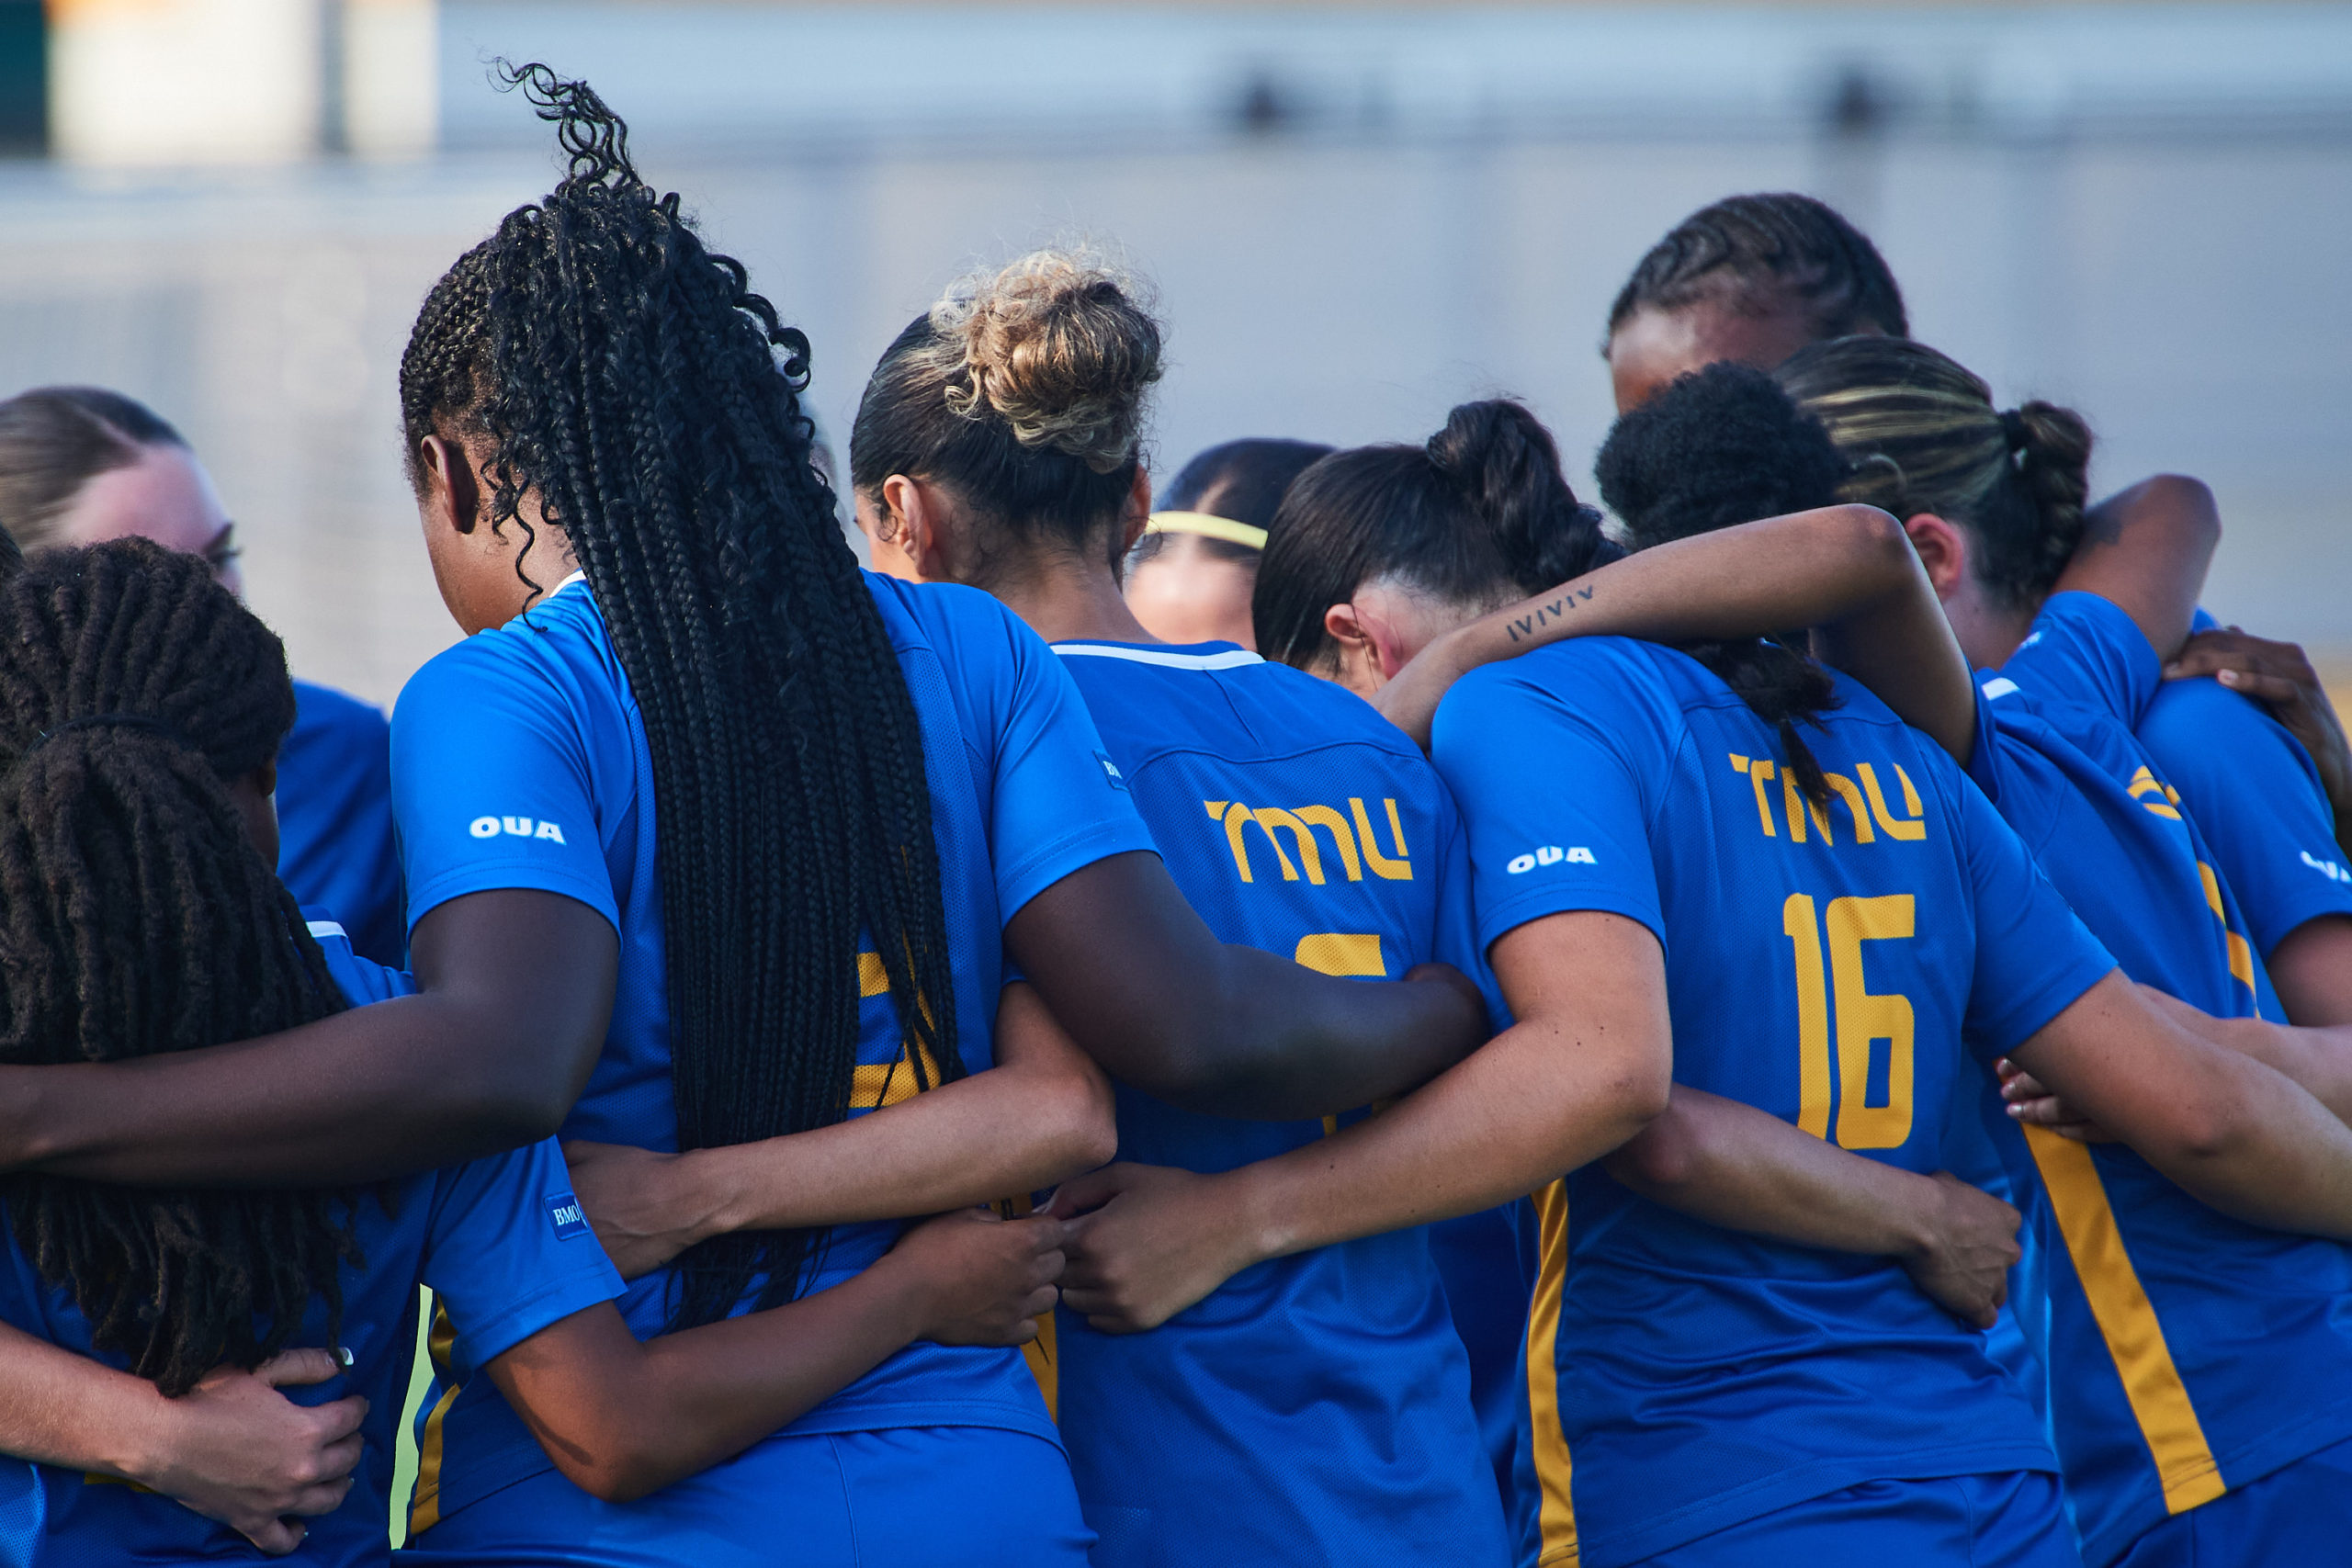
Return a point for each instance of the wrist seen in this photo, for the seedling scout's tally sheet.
(715, 1188)
(1915, 1223)
(1263, 1218)
(143, 1435)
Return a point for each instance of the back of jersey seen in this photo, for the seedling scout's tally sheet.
(1835, 962)
(1315, 1408)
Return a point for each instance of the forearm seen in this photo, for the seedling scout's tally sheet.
(2281, 1160)
(2320, 1060)
(369, 1094)
(1745, 1169)
(1515, 1115)
(641, 1417)
(973, 1141)
(62, 1409)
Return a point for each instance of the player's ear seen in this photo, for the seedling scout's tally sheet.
(924, 529)
(1943, 550)
(1138, 516)
(1350, 628)
(452, 491)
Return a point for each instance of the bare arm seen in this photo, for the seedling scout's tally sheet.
(1042, 1114)
(233, 1450)
(2311, 971)
(1585, 1068)
(516, 991)
(2320, 1060)
(2233, 1133)
(1848, 571)
(2145, 550)
(1227, 1030)
(1745, 1169)
(622, 1419)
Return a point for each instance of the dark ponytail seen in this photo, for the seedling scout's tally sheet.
(1479, 515)
(1721, 446)
(1924, 435)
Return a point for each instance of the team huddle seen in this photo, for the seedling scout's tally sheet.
(1341, 1012)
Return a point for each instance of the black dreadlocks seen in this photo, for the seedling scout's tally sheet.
(628, 380)
(137, 916)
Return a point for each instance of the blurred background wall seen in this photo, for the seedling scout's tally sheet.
(1355, 216)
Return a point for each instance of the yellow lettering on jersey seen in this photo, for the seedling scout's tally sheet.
(1342, 953)
(1798, 923)
(425, 1510)
(1397, 870)
(2144, 784)
(874, 1084)
(872, 980)
(1798, 806)
(1758, 773)
(1843, 788)
(1895, 827)
(1331, 822)
(1556, 1509)
(2240, 951)
(1272, 817)
(1864, 1016)
(2127, 1321)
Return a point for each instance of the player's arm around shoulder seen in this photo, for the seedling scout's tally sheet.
(2234, 1133)
(1042, 1113)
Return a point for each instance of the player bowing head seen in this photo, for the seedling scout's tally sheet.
(1751, 279)
(997, 445)
(1189, 578)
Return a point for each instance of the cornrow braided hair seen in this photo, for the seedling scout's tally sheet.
(137, 916)
(628, 379)
(1925, 435)
(1757, 251)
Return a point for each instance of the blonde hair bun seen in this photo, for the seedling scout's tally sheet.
(1059, 347)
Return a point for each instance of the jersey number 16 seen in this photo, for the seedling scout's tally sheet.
(1863, 1019)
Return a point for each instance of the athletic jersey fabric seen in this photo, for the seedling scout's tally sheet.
(2169, 1330)
(519, 760)
(1683, 1378)
(1486, 1261)
(336, 847)
(2255, 795)
(1315, 1408)
(500, 1239)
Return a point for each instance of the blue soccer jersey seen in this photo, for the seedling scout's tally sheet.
(2170, 1333)
(336, 847)
(2255, 795)
(519, 760)
(1315, 1408)
(1837, 966)
(501, 1242)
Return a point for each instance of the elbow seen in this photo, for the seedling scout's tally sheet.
(618, 1474)
(2188, 501)
(1078, 1117)
(1868, 530)
(520, 1113)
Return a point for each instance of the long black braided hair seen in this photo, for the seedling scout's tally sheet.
(137, 916)
(625, 377)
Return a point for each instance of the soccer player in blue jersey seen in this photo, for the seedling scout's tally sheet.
(79, 464)
(2132, 873)
(143, 711)
(1317, 1408)
(714, 845)
(1740, 1478)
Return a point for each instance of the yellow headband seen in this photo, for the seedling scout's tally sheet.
(1208, 526)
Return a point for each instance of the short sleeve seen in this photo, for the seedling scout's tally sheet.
(1555, 810)
(509, 1252)
(1059, 803)
(491, 782)
(2256, 797)
(2083, 649)
(2034, 956)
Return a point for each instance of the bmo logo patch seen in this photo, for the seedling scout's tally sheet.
(564, 1214)
(1550, 854)
(515, 828)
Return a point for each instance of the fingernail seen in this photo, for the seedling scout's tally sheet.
(343, 1357)
(2229, 677)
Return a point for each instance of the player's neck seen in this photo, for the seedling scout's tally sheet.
(1071, 603)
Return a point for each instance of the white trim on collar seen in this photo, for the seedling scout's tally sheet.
(579, 577)
(1231, 659)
